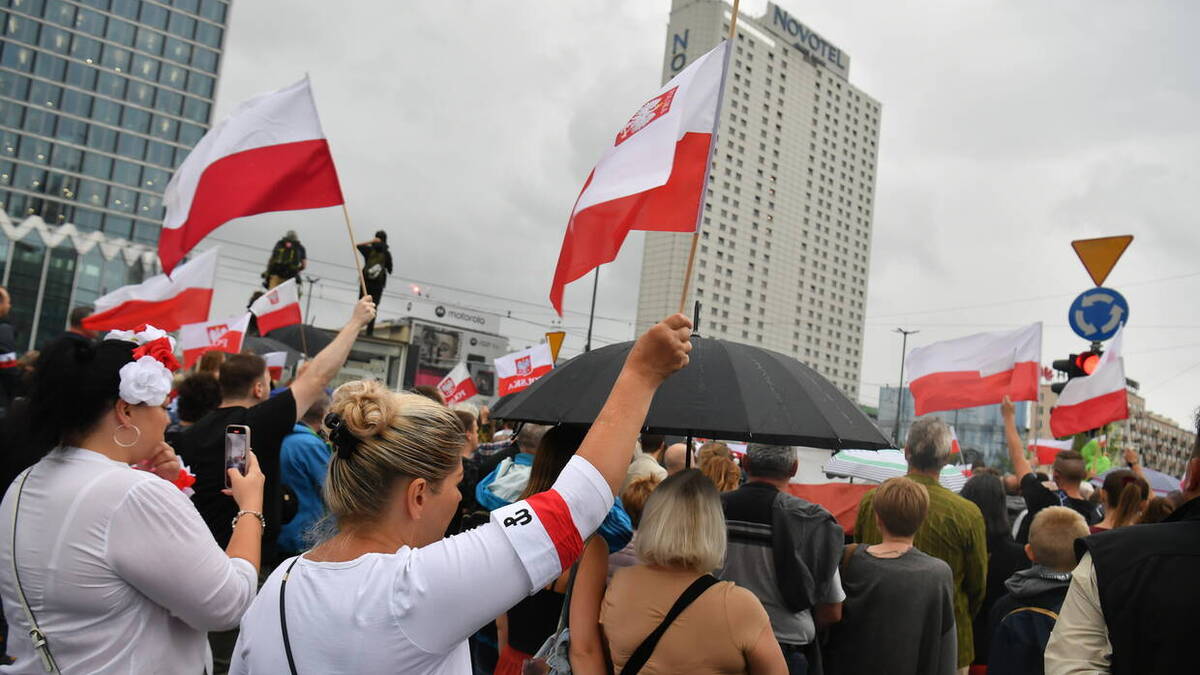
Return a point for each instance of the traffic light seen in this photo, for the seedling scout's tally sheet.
(1076, 365)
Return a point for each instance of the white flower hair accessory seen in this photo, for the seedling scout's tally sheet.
(145, 381)
(141, 335)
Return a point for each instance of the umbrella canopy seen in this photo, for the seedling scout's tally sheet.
(731, 391)
(881, 465)
(261, 345)
(1160, 483)
(314, 338)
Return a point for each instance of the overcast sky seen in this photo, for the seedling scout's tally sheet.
(466, 128)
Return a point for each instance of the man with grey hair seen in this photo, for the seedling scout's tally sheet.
(786, 551)
(953, 530)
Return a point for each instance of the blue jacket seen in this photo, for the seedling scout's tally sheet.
(504, 484)
(303, 460)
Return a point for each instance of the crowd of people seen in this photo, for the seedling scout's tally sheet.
(383, 531)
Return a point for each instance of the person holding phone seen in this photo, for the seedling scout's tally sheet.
(105, 567)
(387, 593)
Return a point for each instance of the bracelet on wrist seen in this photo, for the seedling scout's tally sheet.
(257, 514)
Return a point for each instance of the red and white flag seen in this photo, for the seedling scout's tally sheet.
(269, 155)
(650, 178)
(976, 370)
(955, 448)
(1047, 449)
(222, 335)
(518, 370)
(161, 301)
(276, 361)
(277, 308)
(1094, 400)
(457, 386)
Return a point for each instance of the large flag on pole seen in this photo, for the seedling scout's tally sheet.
(222, 335)
(457, 386)
(1092, 401)
(161, 301)
(976, 370)
(518, 370)
(278, 307)
(269, 155)
(650, 178)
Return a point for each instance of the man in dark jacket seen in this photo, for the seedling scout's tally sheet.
(288, 259)
(1021, 621)
(1134, 597)
(377, 265)
(10, 371)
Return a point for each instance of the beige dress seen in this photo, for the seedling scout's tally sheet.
(715, 634)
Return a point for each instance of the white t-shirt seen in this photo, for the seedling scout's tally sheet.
(119, 569)
(411, 611)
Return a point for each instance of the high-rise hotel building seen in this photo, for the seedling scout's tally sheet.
(785, 239)
(100, 101)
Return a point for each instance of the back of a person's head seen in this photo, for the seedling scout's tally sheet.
(530, 437)
(720, 467)
(1052, 536)
(239, 373)
(466, 407)
(682, 525)
(393, 436)
(901, 505)
(1124, 495)
(466, 418)
(315, 415)
(770, 461)
(986, 491)
(712, 449)
(556, 448)
(199, 394)
(430, 392)
(1069, 468)
(928, 444)
(78, 314)
(634, 497)
(1157, 511)
(652, 442)
(210, 362)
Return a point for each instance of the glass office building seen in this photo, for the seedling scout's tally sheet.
(100, 100)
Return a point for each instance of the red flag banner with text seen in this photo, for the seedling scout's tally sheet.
(518, 370)
(650, 178)
(223, 335)
(1092, 401)
(161, 301)
(976, 370)
(457, 386)
(269, 155)
(277, 308)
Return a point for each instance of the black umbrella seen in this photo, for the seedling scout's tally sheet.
(302, 338)
(729, 391)
(262, 345)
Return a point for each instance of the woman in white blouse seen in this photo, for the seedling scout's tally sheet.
(99, 549)
(387, 594)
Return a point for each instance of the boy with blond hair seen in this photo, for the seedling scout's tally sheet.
(1023, 619)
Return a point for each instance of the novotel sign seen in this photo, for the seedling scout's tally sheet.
(807, 40)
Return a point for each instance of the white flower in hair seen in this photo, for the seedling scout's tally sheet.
(140, 335)
(149, 334)
(145, 381)
(122, 335)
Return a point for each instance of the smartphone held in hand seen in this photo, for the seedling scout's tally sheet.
(237, 444)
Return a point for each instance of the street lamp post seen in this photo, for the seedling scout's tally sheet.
(900, 388)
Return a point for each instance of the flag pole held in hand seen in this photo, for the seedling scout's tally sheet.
(362, 282)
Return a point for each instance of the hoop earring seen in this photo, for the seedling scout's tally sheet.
(130, 444)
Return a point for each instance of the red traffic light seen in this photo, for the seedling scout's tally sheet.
(1088, 361)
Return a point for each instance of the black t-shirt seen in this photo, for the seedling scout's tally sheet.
(202, 448)
(1038, 497)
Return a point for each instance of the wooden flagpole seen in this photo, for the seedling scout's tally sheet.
(362, 283)
(691, 261)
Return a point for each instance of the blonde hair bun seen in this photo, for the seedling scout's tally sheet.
(365, 406)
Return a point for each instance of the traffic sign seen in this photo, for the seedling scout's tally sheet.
(1100, 255)
(555, 338)
(1097, 314)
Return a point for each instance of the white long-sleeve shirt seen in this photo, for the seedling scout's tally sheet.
(119, 569)
(1079, 643)
(411, 611)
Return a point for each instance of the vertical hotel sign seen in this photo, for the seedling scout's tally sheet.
(807, 40)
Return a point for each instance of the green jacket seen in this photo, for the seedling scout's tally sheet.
(954, 532)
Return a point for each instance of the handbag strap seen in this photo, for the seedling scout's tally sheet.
(642, 654)
(287, 644)
(566, 608)
(35, 633)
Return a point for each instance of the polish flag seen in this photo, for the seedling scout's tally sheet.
(223, 335)
(518, 370)
(976, 370)
(955, 448)
(275, 364)
(650, 178)
(269, 155)
(278, 307)
(1047, 449)
(160, 301)
(457, 386)
(1092, 401)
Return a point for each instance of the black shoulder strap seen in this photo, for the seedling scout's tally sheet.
(642, 654)
(287, 644)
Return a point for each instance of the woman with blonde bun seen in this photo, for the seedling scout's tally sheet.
(386, 593)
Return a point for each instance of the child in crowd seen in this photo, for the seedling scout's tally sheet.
(1023, 619)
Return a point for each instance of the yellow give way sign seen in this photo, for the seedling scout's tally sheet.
(1099, 256)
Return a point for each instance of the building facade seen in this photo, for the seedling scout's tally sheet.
(100, 100)
(786, 229)
(980, 428)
